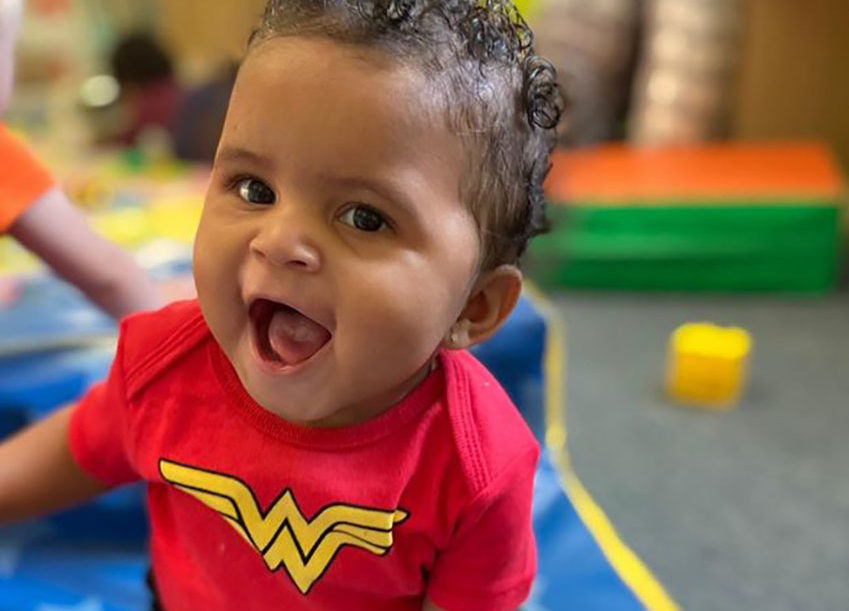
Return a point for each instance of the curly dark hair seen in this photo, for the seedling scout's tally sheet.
(497, 94)
(139, 59)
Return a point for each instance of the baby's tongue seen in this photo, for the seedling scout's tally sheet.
(294, 337)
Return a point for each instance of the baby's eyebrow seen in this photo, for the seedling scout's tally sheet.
(233, 154)
(383, 189)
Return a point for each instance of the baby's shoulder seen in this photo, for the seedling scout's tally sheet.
(152, 342)
(489, 433)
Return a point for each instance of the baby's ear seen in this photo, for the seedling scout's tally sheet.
(493, 298)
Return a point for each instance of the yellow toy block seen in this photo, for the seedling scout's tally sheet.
(708, 365)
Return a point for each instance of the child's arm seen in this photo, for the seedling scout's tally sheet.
(38, 473)
(72, 455)
(60, 235)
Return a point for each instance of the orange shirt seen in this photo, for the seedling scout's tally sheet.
(22, 178)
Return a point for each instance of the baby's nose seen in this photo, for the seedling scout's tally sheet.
(287, 244)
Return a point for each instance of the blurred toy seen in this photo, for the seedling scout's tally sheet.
(736, 217)
(707, 365)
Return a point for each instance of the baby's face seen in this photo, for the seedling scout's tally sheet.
(10, 23)
(334, 252)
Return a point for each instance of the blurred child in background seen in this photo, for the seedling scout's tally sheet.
(35, 211)
(150, 94)
(154, 103)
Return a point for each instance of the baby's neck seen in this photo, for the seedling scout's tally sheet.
(354, 415)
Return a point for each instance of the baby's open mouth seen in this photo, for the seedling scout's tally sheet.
(285, 336)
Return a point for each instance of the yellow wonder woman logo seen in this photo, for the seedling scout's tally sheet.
(283, 536)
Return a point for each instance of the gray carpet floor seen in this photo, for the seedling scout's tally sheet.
(745, 510)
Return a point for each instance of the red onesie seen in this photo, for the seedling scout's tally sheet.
(250, 512)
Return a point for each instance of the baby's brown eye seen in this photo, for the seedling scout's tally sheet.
(364, 219)
(255, 191)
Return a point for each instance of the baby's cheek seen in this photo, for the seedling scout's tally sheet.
(396, 313)
(403, 337)
(204, 274)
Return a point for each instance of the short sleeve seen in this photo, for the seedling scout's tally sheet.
(490, 564)
(23, 179)
(99, 431)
